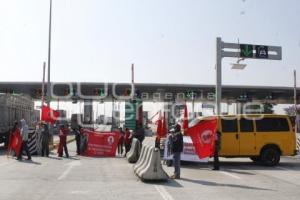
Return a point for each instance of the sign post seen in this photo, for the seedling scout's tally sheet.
(240, 51)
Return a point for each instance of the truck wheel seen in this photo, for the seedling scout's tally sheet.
(270, 156)
(169, 163)
(255, 158)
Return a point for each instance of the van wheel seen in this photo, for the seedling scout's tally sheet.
(255, 158)
(169, 163)
(270, 156)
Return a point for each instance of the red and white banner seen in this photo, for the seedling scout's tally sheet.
(101, 144)
(203, 136)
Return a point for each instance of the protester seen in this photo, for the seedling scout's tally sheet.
(140, 133)
(15, 143)
(77, 132)
(45, 140)
(177, 148)
(216, 150)
(121, 142)
(157, 142)
(39, 137)
(63, 132)
(24, 135)
(127, 140)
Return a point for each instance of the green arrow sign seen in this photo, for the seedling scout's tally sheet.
(246, 50)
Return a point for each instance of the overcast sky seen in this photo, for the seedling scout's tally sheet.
(170, 41)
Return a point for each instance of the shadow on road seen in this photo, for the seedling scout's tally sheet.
(31, 162)
(169, 183)
(208, 183)
(257, 166)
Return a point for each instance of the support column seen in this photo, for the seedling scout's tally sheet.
(88, 111)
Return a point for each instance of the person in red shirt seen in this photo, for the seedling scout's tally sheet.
(121, 141)
(15, 140)
(63, 132)
(127, 140)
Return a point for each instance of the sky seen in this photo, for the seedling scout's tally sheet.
(169, 41)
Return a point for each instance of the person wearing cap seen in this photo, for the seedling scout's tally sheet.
(177, 148)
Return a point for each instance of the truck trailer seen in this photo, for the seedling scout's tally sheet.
(14, 107)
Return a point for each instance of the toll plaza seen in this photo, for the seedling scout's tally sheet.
(238, 177)
(163, 137)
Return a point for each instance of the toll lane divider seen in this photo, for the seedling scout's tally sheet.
(148, 166)
(134, 152)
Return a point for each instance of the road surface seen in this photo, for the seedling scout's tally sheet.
(112, 178)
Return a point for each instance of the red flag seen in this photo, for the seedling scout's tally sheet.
(159, 127)
(49, 115)
(16, 142)
(203, 137)
(185, 123)
(164, 127)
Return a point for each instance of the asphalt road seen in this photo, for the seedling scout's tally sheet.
(112, 178)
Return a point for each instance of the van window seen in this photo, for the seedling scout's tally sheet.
(229, 125)
(272, 124)
(246, 125)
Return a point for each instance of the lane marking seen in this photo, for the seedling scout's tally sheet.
(71, 165)
(283, 168)
(163, 192)
(231, 175)
(80, 192)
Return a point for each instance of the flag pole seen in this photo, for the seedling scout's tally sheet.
(49, 57)
(132, 81)
(43, 84)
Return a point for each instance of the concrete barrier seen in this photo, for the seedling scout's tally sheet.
(149, 167)
(134, 152)
(148, 150)
(140, 160)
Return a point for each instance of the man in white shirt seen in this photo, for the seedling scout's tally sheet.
(24, 135)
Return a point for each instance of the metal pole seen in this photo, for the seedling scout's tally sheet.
(132, 73)
(218, 75)
(43, 84)
(112, 114)
(193, 108)
(295, 99)
(49, 57)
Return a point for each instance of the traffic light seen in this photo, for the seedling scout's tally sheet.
(127, 92)
(189, 95)
(39, 92)
(66, 92)
(244, 97)
(270, 96)
(99, 92)
(9, 91)
(74, 92)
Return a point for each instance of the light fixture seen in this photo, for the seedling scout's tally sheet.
(238, 65)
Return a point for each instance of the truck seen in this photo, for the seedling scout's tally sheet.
(14, 107)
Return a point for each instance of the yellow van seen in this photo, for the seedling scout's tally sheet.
(263, 138)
